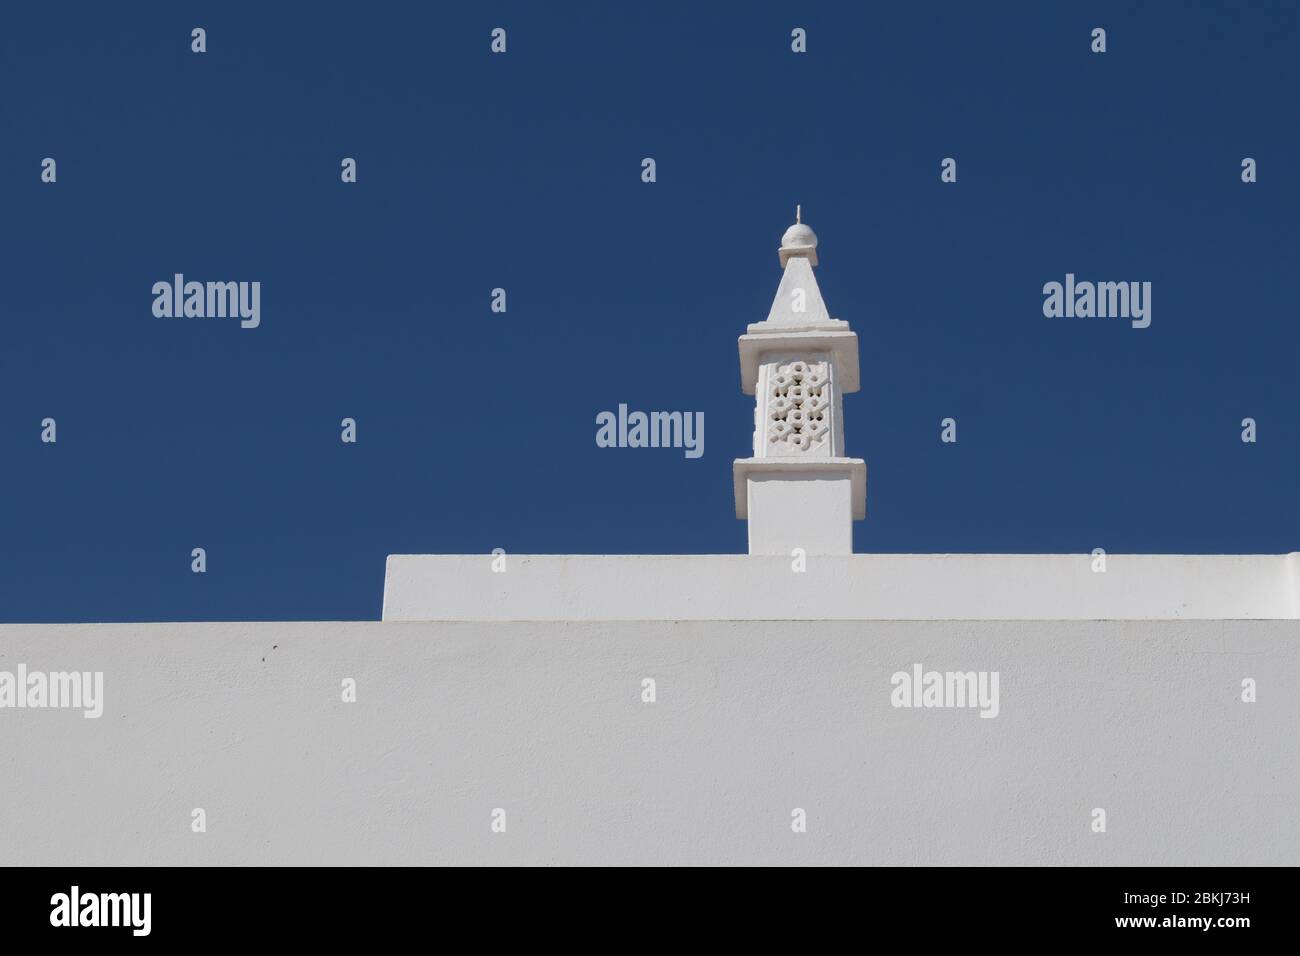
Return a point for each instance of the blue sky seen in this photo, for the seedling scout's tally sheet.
(476, 430)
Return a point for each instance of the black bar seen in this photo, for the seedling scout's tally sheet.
(976, 906)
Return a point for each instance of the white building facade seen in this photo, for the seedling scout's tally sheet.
(799, 704)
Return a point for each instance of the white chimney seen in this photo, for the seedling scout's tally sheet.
(799, 490)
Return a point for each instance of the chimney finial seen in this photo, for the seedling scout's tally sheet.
(799, 240)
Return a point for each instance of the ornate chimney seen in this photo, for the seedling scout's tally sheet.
(799, 490)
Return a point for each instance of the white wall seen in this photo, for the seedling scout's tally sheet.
(753, 719)
(920, 587)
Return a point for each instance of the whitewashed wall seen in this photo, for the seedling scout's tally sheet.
(857, 587)
(753, 719)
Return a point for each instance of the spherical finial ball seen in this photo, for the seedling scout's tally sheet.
(799, 242)
(799, 236)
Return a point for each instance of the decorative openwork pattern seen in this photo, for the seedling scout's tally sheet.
(797, 406)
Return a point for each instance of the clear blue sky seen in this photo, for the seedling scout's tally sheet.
(477, 430)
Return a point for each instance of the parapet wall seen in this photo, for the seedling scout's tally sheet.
(859, 587)
(751, 721)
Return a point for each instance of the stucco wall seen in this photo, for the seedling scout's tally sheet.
(858, 587)
(752, 720)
